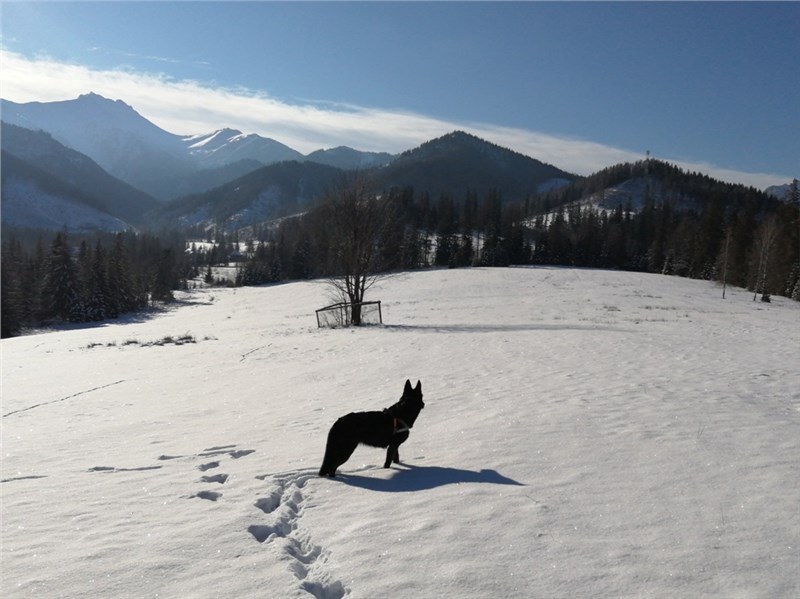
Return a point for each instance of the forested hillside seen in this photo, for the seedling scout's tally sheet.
(730, 233)
(682, 224)
(86, 279)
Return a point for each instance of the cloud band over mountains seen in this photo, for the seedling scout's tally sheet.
(191, 107)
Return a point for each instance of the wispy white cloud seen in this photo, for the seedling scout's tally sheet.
(191, 107)
(131, 55)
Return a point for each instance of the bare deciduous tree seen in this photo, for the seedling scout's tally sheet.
(765, 237)
(724, 273)
(357, 222)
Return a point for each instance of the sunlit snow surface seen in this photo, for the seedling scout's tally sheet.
(586, 434)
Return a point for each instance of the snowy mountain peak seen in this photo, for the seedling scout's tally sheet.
(211, 141)
(97, 108)
(98, 100)
(785, 193)
(101, 128)
(226, 146)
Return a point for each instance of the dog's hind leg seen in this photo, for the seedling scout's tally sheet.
(343, 454)
(331, 460)
(335, 456)
(325, 469)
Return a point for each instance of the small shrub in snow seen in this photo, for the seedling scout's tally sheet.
(166, 340)
(183, 339)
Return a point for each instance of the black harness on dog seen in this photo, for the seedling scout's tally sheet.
(400, 425)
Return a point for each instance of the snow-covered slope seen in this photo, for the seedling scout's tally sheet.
(208, 142)
(25, 204)
(586, 434)
(630, 195)
(39, 154)
(781, 192)
(33, 198)
(634, 193)
(227, 146)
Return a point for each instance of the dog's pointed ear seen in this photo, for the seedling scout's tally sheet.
(418, 387)
(407, 388)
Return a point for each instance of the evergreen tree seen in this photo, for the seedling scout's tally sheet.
(793, 280)
(99, 294)
(10, 290)
(301, 260)
(122, 297)
(165, 278)
(60, 291)
(32, 307)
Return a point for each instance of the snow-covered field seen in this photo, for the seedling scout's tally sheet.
(586, 434)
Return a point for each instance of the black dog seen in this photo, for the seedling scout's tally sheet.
(388, 428)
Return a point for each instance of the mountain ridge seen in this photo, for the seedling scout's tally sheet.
(437, 167)
(226, 146)
(273, 191)
(459, 163)
(33, 198)
(160, 163)
(215, 168)
(41, 150)
(112, 133)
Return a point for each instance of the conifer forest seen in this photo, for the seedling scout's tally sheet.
(701, 228)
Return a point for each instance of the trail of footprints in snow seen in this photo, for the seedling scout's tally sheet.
(211, 451)
(307, 561)
(229, 450)
(215, 478)
(284, 505)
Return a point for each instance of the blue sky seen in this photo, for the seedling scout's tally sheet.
(710, 86)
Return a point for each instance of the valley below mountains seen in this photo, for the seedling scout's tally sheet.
(121, 204)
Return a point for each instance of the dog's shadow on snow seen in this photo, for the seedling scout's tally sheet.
(421, 478)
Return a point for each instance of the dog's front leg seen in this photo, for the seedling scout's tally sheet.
(392, 455)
